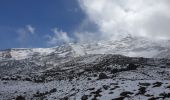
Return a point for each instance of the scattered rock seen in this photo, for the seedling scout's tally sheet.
(168, 86)
(114, 70)
(153, 98)
(20, 98)
(53, 90)
(6, 78)
(28, 79)
(113, 83)
(89, 78)
(114, 88)
(94, 99)
(97, 92)
(148, 95)
(165, 95)
(84, 97)
(119, 98)
(157, 84)
(73, 89)
(39, 79)
(132, 67)
(38, 94)
(5, 82)
(70, 78)
(111, 92)
(105, 87)
(95, 75)
(126, 94)
(103, 76)
(91, 89)
(13, 78)
(65, 98)
(145, 84)
(142, 90)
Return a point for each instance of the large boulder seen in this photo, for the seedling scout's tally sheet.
(20, 98)
(103, 76)
(132, 67)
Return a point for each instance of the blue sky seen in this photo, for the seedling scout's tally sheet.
(29, 23)
(47, 23)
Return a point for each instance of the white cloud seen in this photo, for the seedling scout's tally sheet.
(114, 18)
(58, 37)
(30, 29)
(25, 33)
(22, 35)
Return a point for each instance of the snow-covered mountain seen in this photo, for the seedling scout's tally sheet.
(130, 68)
(129, 46)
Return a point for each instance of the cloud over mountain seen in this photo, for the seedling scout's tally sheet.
(115, 18)
(58, 37)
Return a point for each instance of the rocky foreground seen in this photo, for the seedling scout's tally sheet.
(90, 77)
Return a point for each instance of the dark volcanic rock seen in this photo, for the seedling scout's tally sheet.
(144, 84)
(20, 98)
(157, 84)
(132, 67)
(84, 97)
(103, 76)
(119, 98)
(126, 93)
(142, 90)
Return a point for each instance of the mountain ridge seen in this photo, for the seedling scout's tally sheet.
(128, 46)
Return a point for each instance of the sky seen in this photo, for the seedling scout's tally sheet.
(47, 23)
(34, 23)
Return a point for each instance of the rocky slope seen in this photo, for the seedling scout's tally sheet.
(128, 46)
(89, 71)
(90, 77)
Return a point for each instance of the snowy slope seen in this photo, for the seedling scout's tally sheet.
(24, 53)
(129, 46)
(73, 71)
(79, 78)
